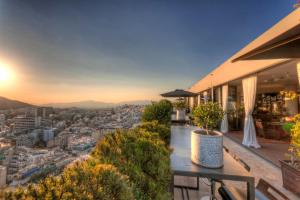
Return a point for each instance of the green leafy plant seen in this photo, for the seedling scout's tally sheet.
(83, 180)
(143, 157)
(294, 148)
(126, 164)
(162, 130)
(160, 111)
(179, 104)
(208, 115)
(287, 127)
(292, 126)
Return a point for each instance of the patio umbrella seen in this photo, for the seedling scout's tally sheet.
(179, 93)
(286, 45)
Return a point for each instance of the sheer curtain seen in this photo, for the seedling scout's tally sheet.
(224, 124)
(249, 90)
(298, 72)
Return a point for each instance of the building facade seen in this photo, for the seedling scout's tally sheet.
(257, 95)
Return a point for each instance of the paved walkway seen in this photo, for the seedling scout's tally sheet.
(260, 168)
(272, 150)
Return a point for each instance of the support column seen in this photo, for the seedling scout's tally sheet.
(224, 124)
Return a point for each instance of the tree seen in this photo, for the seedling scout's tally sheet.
(160, 111)
(208, 115)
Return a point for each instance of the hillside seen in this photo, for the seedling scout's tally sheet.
(6, 104)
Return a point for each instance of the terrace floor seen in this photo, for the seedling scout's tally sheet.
(271, 150)
(260, 168)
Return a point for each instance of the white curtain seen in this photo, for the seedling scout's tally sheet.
(199, 99)
(298, 72)
(249, 90)
(224, 124)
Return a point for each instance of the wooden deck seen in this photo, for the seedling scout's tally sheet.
(271, 150)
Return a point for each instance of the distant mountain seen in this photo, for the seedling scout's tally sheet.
(6, 104)
(95, 104)
(137, 102)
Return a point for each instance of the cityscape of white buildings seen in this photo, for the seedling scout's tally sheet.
(41, 140)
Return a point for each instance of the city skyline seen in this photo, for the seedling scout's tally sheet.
(116, 51)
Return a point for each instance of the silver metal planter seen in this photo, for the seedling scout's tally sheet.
(207, 150)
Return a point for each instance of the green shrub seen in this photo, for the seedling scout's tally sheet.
(208, 115)
(164, 131)
(143, 157)
(160, 111)
(83, 180)
(287, 127)
(295, 140)
(127, 164)
(180, 104)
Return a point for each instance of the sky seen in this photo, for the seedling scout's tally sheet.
(113, 51)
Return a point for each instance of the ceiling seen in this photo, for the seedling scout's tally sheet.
(275, 79)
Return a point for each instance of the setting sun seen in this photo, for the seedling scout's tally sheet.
(5, 74)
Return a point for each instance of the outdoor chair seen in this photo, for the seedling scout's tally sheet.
(263, 191)
(185, 189)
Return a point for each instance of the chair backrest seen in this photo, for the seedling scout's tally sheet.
(225, 193)
(264, 190)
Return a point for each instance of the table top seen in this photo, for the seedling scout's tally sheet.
(181, 163)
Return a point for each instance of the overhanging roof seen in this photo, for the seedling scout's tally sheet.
(229, 71)
(286, 45)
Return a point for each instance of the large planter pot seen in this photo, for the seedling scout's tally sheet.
(180, 114)
(207, 150)
(290, 177)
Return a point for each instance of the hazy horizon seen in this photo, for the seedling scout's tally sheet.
(115, 51)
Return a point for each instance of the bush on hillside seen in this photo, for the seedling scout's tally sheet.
(127, 164)
(143, 157)
(82, 180)
(158, 111)
(154, 127)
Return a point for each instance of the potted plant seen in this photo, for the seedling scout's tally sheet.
(180, 107)
(207, 143)
(291, 168)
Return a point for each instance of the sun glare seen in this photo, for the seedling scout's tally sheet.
(5, 74)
